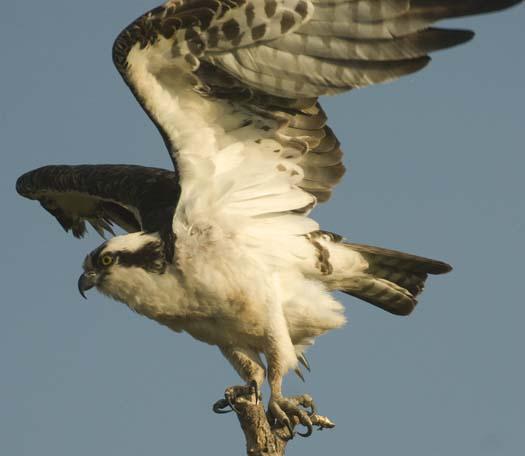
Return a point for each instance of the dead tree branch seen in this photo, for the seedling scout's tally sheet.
(263, 436)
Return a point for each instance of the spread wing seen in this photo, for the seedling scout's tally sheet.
(135, 198)
(232, 86)
(214, 73)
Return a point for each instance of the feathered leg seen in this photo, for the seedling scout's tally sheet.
(280, 356)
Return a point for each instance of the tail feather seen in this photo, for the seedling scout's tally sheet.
(392, 280)
(382, 293)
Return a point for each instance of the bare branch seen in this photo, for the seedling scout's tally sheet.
(263, 436)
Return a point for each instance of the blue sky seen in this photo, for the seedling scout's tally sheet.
(436, 168)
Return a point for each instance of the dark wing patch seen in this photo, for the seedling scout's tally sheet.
(149, 257)
(135, 198)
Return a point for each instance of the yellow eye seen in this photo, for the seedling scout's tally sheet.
(106, 260)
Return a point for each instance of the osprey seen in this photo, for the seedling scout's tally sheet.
(223, 246)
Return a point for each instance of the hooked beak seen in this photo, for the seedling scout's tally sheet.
(86, 281)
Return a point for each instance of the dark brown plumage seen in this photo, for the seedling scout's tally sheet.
(134, 197)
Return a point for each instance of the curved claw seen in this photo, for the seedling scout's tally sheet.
(220, 405)
(305, 420)
(222, 412)
(290, 428)
(299, 374)
(308, 432)
(231, 404)
(302, 359)
(282, 409)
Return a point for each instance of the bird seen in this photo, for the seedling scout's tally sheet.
(223, 246)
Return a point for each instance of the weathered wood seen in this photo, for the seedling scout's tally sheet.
(263, 436)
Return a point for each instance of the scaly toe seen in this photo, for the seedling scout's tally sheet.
(306, 401)
(233, 394)
(283, 409)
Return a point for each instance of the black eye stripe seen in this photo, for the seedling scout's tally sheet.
(149, 257)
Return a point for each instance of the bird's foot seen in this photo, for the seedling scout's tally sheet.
(289, 411)
(235, 394)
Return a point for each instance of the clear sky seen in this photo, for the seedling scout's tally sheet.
(436, 167)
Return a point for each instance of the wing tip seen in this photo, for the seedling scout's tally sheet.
(23, 186)
(28, 185)
(440, 267)
(454, 37)
(417, 64)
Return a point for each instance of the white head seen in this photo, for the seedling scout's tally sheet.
(122, 266)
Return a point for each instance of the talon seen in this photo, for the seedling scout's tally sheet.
(290, 428)
(299, 374)
(222, 412)
(302, 359)
(309, 431)
(230, 397)
(220, 405)
(231, 404)
(283, 409)
(305, 420)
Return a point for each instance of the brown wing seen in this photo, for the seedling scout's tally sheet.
(271, 59)
(135, 198)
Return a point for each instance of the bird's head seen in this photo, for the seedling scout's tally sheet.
(122, 266)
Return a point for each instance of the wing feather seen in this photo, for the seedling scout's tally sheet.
(135, 198)
(232, 86)
(249, 72)
(399, 48)
(321, 75)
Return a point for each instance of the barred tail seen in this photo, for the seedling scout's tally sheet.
(392, 279)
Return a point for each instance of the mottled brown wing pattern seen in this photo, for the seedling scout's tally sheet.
(273, 58)
(203, 32)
